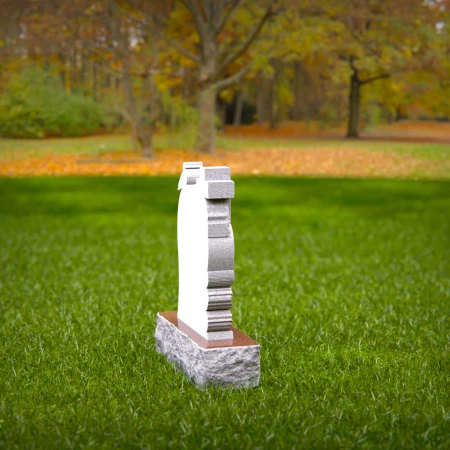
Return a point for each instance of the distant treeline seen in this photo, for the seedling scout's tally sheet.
(70, 68)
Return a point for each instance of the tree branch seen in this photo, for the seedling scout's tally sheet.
(228, 15)
(193, 8)
(227, 82)
(377, 77)
(246, 44)
(178, 47)
(206, 10)
(171, 41)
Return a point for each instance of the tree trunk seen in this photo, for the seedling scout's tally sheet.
(62, 70)
(62, 77)
(207, 99)
(142, 134)
(94, 81)
(82, 70)
(261, 100)
(222, 112)
(354, 106)
(238, 109)
(400, 113)
(134, 137)
(74, 72)
(298, 82)
(206, 137)
(271, 104)
(210, 18)
(145, 138)
(147, 151)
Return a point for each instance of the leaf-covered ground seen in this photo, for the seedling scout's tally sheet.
(345, 283)
(338, 158)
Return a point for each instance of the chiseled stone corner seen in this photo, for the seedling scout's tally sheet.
(219, 189)
(216, 173)
(231, 367)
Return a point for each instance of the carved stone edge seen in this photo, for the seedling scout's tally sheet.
(233, 367)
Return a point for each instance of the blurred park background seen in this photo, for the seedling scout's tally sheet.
(146, 79)
(334, 116)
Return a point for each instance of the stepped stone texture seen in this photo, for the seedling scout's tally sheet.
(232, 363)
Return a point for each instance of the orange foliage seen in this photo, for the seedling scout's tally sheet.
(322, 161)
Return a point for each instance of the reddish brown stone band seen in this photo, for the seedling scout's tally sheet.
(239, 340)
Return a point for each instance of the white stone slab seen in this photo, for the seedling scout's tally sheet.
(205, 246)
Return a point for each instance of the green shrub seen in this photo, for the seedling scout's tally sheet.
(34, 104)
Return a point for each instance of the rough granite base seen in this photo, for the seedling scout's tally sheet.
(230, 364)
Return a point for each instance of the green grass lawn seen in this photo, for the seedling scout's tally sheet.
(18, 148)
(345, 283)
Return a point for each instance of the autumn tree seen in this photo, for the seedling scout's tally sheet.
(377, 40)
(123, 46)
(296, 64)
(143, 57)
(217, 44)
(84, 38)
(124, 37)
